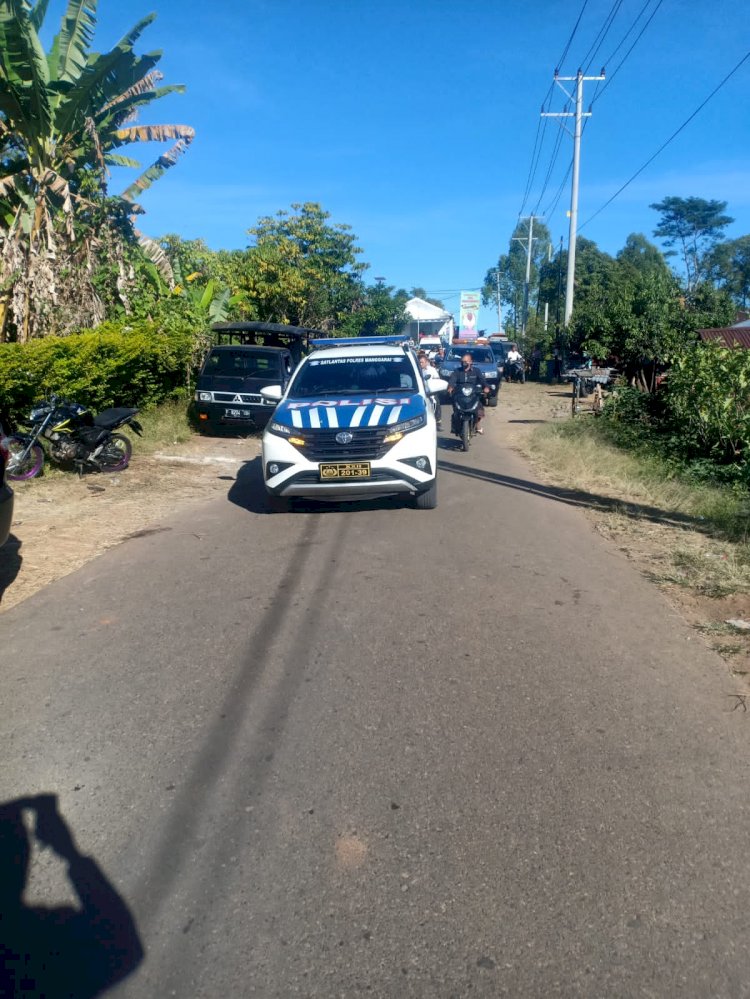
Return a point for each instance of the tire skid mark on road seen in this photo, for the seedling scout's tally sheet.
(238, 745)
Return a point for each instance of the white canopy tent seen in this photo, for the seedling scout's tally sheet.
(426, 319)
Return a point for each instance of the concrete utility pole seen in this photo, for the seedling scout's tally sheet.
(529, 241)
(499, 306)
(578, 114)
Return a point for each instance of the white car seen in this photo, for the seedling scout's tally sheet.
(355, 421)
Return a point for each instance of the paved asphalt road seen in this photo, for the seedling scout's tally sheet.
(379, 751)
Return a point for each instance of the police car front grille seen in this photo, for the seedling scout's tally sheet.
(366, 445)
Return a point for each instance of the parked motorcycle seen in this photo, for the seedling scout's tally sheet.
(74, 436)
(465, 400)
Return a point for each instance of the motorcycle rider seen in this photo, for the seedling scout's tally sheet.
(514, 358)
(467, 374)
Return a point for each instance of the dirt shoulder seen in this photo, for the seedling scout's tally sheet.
(61, 522)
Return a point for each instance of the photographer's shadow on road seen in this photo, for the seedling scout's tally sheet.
(64, 950)
(10, 563)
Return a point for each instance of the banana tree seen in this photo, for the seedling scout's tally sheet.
(65, 116)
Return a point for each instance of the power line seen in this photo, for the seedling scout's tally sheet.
(561, 60)
(603, 32)
(619, 66)
(673, 136)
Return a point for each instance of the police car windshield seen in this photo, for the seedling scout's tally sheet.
(353, 375)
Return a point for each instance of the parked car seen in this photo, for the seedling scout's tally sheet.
(247, 357)
(483, 359)
(6, 494)
(355, 421)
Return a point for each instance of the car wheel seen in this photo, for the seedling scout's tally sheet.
(492, 402)
(428, 499)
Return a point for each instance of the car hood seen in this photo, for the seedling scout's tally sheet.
(486, 367)
(235, 383)
(349, 412)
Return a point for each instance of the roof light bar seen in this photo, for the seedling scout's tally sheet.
(360, 341)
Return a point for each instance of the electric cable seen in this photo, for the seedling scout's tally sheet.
(671, 138)
(613, 74)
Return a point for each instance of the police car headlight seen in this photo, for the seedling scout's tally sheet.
(397, 431)
(444, 373)
(203, 397)
(279, 429)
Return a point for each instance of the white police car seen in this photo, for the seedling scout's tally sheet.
(355, 421)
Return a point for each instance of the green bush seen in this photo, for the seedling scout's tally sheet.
(708, 402)
(117, 364)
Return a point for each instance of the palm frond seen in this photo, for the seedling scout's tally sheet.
(68, 57)
(24, 74)
(115, 159)
(157, 256)
(155, 133)
(165, 162)
(38, 13)
(144, 85)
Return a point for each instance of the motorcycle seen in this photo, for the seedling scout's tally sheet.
(466, 400)
(515, 371)
(74, 435)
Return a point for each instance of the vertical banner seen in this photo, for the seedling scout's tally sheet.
(469, 319)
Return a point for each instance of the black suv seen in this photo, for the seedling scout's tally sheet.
(247, 357)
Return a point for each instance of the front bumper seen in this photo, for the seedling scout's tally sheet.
(220, 414)
(389, 475)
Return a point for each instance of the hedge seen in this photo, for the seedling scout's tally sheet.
(113, 365)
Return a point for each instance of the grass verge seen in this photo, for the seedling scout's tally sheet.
(698, 530)
(163, 426)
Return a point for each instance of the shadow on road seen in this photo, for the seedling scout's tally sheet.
(10, 563)
(576, 497)
(65, 950)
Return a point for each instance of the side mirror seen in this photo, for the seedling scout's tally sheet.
(436, 385)
(272, 392)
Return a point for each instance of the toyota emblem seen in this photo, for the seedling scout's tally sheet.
(344, 437)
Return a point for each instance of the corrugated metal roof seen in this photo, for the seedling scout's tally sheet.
(731, 336)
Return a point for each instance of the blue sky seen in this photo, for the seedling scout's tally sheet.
(415, 123)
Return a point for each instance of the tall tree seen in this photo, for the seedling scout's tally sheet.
(63, 117)
(729, 268)
(302, 269)
(693, 226)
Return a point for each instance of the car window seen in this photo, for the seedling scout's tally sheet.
(480, 355)
(349, 375)
(243, 363)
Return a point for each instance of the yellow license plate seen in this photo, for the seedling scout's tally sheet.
(344, 470)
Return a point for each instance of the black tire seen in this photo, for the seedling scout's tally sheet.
(428, 499)
(32, 464)
(492, 401)
(278, 504)
(465, 433)
(116, 453)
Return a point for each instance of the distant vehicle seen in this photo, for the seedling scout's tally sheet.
(431, 344)
(247, 357)
(483, 358)
(354, 422)
(6, 493)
